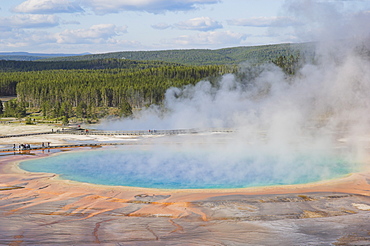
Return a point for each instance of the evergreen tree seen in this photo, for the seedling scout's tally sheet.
(66, 109)
(10, 108)
(45, 108)
(65, 120)
(125, 109)
(91, 112)
(20, 111)
(1, 107)
(289, 64)
(81, 110)
(56, 110)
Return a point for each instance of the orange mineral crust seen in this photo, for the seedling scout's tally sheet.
(40, 208)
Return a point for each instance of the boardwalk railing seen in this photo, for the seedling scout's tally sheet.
(22, 150)
(50, 147)
(148, 132)
(108, 133)
(137, 133)
(25, 134)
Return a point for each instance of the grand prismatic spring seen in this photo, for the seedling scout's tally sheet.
(294, 170)
(191, 169)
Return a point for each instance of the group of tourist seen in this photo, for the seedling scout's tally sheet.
(43, 144)
(22, 146)
(28, 146)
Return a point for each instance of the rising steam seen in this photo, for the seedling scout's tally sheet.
(326, 99)
(279, 119)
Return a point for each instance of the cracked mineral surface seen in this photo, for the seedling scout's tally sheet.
(41, 209)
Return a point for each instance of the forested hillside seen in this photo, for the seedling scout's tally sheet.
(23, 66)
(236, 55)
(95, 86)
(66, 93)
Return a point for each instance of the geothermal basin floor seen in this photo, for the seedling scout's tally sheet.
(42, 209)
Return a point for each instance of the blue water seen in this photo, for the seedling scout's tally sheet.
(189, 169)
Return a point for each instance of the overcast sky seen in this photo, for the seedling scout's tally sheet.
(98, 26)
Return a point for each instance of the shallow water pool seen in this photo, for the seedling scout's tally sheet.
(190, 169)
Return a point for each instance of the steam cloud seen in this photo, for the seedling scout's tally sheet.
(325, 107)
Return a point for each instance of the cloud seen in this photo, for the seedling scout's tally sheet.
(161, 26)
(48, 7)
(211, 38)
(47, 42)
(28, 21)
(18, 38)
(72, 22)
(359, 25)
(327, 20)
(96, 39)
(11, 39)
(264, 22)
(151, 6)
(95, 34)
(204, 24)
(126, 43)
(200, 23)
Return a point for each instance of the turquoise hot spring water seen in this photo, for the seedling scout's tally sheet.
(190, 169)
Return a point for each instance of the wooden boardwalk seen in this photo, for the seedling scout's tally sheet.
(25, 134)
(128, 133)
(106, 133)
(92, 145)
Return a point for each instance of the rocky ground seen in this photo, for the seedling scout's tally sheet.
(86, 219)
(41, 209)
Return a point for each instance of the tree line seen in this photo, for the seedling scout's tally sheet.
(91, 89)
(199, 57)
(57, 92)
(24, 66)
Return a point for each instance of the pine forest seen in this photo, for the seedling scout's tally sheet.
(95, 88)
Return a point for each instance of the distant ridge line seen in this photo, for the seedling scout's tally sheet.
(224, 56)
